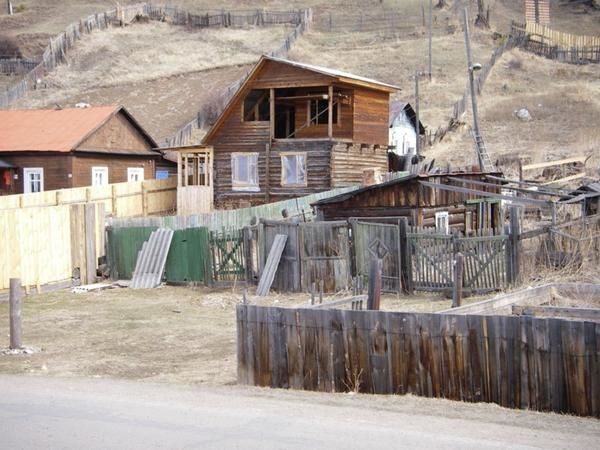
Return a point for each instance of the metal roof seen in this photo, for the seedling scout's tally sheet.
(56, 130)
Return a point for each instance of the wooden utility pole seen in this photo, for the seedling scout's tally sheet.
(15, 314)
(9, 7)
(418, 141)
(470, 69)
(430, 37)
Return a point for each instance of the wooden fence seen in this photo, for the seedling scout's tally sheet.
(140, 198)
(387, 22)
(56, 244)
(556, 45)
(516, 362)
(16, 66)
(59, 46)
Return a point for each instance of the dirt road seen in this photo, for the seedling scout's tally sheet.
(75, 413)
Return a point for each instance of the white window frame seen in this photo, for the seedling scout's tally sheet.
(27, 171)
(245, 185)
(442, 222)
(138, 172)
(284, 175)
(103, 172)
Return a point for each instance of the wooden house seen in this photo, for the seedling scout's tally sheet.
(449, 201)
(294, 129)
(403, 128)
(74, 147)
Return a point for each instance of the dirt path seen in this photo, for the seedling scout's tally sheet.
(65, 413)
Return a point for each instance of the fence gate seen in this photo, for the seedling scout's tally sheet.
(228, 256)
(431, 259)
(364, 234)
(287, 277)
(325, 255)
(484, 262)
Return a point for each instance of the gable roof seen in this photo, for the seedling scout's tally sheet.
(397, 108)
(56, 130)
(337, 75)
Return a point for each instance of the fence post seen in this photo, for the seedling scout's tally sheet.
(144, 199)
(114, 198)
(458, 280)
(15, 314)
(404, 257)
(515, 231)
(375, 274)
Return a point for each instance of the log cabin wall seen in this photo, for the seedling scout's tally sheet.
(117, 166)
(349, 161)
(371, 116)
(57, 167)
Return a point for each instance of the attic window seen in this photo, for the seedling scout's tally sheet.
(256, 106)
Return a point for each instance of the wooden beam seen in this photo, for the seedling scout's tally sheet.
(512, 188)
(565, 179)
(574, 159)
(272, 113)
(446, 187)
(341, 301)
(330, 114)
(557, 311)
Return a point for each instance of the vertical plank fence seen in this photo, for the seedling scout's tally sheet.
(514, 361)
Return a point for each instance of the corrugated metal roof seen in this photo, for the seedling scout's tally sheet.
(55, 130)
(332, 72)
(151, 260)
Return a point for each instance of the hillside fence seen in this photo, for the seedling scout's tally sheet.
(51, 245)
(140, 198)
(16, 66)
(513, 361)
(556, 45)
(60, 45)
(301, 20)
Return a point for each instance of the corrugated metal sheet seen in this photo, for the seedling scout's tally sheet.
(151, 260)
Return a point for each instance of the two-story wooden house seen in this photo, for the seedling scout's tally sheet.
(294, 129)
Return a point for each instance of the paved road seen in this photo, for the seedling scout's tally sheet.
(38, 413)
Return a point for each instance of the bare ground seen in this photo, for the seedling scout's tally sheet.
(170, 334)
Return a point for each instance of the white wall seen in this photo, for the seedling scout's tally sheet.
(403, 135)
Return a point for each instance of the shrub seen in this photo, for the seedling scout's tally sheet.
(9, 48)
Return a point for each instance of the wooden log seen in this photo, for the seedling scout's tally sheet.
(457, 290)
(559, 312)
(16, 332)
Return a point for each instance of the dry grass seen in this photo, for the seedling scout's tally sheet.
(169, 334)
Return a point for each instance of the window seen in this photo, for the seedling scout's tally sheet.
(244, 172)
(99, 176)
(293, 169)
(162, 174)
(256, 106)
(441, 222)
(33, 179)
(135, 174)
(319, 112)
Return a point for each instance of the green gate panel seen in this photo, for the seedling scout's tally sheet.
(189, 257)
(123, 246)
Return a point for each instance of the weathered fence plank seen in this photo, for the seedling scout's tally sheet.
(517, 362)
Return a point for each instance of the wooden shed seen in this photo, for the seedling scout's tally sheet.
(448, 201)
(294, 129)
(75, 147)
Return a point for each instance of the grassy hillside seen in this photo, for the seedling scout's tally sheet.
(164, 74)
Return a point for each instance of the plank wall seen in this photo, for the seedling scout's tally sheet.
(349, 161)
(118, 133)
(371, 116)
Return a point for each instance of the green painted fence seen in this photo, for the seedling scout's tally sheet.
(188, 260)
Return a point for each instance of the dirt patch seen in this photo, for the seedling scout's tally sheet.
(170, 334)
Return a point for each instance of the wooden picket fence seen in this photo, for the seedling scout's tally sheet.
(513, 361)
(132, 199)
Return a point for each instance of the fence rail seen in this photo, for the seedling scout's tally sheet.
(120, 199)
(516, 362)
(16, 66)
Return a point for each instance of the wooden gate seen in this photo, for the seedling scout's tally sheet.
(484, 262)
(431, 259)
(364, 235)
(325, 255)
(228, 256)
(287, 277)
